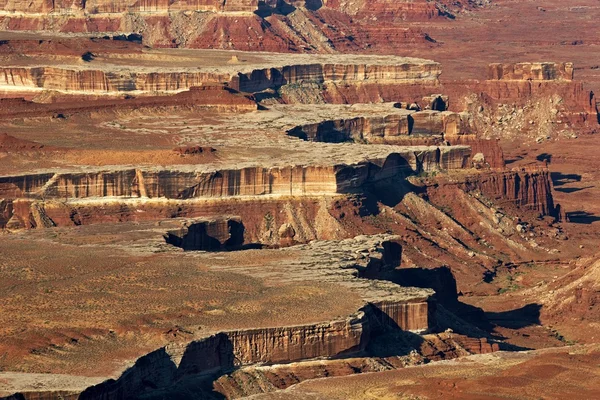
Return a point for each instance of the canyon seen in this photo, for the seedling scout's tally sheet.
(298, 199)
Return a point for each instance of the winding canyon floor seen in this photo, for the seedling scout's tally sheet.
(197, 248)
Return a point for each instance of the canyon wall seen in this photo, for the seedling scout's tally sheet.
(401, 73)
(529, 189)
(172, 184)
(46, 199)
(392, 307)
(91, 7)
(523, 84)
(222, 352)
(166, 368)
(544, 71)
(127, 80)
(529, 85)
(413, 316)
(208, 235)
(89, 80)
(250, 181)
(428, 127)
(417, 128)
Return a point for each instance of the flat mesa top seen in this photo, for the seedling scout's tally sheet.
(210, 61)
(94, 278)
(91, 143)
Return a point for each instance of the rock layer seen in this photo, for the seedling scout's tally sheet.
(386, 304)
(546, 71)
(250, 181)
(421, 127)
(161, 369)
(526, 189)
(121, 79)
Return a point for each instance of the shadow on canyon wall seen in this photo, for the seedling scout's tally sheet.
(465, 318)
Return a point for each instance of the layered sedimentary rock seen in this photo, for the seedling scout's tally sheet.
(162, 368)
(414, 127)
(88, 80)
(288, 26)
(28, 198)
(176, 184)
(359, 129)
(526, 189)
(399, 73)
(546, 71)
(386, 304)
(401, 315)
(122, 6)
(254, 380)
(420, 127)
(392, 70)
(250, 181)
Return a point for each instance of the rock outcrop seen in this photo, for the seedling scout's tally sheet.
(545, 71)
(251, 181)
(208, 235)
(94, 7)
(527, 189)
(254, 380)
(277, 26)
(417, 128)
(399, 73)
(163, 368)
(70, 198)
(90, 80)
(386, 304)
(243, 77)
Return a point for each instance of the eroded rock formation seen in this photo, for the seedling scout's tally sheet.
(220, 184)
(417, 128)
(546, 71)
(163, 368)
(528, 189)
(211, 235)
(404, 73)
(405, 308)
(247, 79)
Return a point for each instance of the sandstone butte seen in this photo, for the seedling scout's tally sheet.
(299, 199)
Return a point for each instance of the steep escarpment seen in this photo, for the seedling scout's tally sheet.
(526, 100)
(115, 78)
(42, 200)
(253, 25)
(89, 80)
(167, 368)
(409, 128)
(178, 368)
(122, 6)
(250, 181)
(254, 380)
(526, 189)
(419, 127)
(399, 73)
(531, 71)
